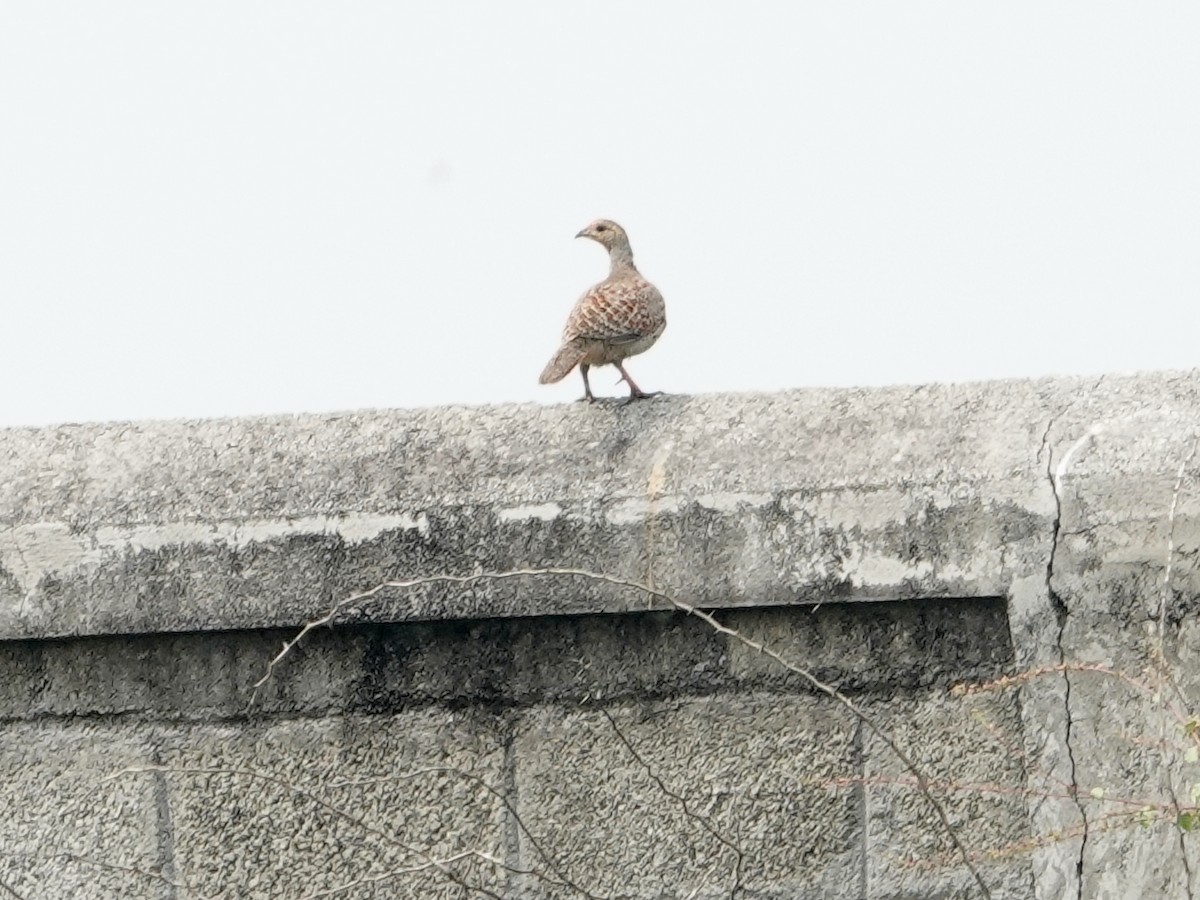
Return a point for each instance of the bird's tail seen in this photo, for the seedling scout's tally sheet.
(567, 358)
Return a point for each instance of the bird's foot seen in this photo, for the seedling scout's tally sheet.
(640, 395)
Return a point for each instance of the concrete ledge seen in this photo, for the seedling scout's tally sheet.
(729, 500)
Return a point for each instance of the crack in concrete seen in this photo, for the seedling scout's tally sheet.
(27, 590)
(1187, 867)
(1046, 441)
(1061, 613)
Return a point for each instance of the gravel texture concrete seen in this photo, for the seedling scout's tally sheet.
(547, 736)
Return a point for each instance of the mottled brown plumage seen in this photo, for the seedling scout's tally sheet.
(620, 317)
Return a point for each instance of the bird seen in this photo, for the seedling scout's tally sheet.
(618, 318)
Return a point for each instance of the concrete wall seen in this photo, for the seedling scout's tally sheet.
(978, 568)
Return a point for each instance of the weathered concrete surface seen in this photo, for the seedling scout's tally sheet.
(1026, 525)
(914, 646)
(1125, 511)
(374, 749)
(797, 497)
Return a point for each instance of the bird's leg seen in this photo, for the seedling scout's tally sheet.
(635, 392)
(587, 388)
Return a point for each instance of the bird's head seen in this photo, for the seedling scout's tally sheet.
(605, 232)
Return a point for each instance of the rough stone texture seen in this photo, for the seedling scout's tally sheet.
(68, 831)
(1020, 530)
(1116, 456)
(733, 500)
(988, 814)
(348, 801)
(772, 792)
(380, 747)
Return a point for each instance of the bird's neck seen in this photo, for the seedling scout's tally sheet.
(620, 259)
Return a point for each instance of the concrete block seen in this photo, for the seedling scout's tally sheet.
(71, 829)
(387, 805)
(768, 773)
(1129, 739)
(969, 748)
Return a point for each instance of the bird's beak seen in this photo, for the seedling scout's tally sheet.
(582, 233)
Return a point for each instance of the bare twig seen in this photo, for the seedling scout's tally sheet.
(992, 788)
(1152, 693)
(738, 855)
(684, 606)
(356, 821)
(67, 856)
(442, 863)
(396, 873)
(1165, 675)
(499, 795)
(1113, 821)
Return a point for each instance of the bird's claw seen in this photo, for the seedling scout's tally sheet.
(641, 395)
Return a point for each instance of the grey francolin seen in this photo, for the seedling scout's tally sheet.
(620, 317)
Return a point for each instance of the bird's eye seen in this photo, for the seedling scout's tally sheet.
(602, 228)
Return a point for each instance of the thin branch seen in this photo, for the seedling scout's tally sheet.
(564, 880)
(738, 855)
(67, 856)
(321, 802)
(682, 605)
(462, 856)
(1160, 649)
(992, 788)
(1114, 821)
(1180, 714)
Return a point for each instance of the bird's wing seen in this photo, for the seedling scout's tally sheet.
(616, 311)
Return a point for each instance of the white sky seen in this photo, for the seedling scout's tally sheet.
(228, 207)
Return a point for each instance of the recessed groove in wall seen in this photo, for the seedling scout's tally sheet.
(877, 649)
